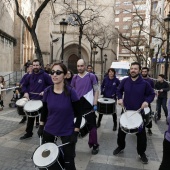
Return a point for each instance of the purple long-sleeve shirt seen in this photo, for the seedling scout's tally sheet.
(167, 135)
(135, 92)
(36, 83)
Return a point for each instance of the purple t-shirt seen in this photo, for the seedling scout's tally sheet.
(84, 86)
(60, 120)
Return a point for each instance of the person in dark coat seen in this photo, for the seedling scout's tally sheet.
(163, 87)
(108, 90)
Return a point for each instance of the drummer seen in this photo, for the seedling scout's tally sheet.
(34, 83)
(29, 71)
(86, 87)
(60, 106)
(137, 94)
(108, 90)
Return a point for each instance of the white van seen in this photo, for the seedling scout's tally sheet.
(121, 68)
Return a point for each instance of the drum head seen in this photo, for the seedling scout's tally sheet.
(146, 110)
(21, 102)
(33, 105)
(45, 155)
(131, 119)
(106, 100)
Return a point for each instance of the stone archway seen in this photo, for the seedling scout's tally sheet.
(72, 63)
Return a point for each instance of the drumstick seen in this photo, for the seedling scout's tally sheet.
(34, 93)
(40, 140)
(88, 112)
(9, 88)
(63, 144)
(135, 112)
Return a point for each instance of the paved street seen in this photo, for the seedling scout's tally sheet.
(16, 154)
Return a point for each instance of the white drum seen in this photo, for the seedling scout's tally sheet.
(131, 121)
(46, 156)
(83, 128)
(106, 106)
(32, 108)
(20, 105)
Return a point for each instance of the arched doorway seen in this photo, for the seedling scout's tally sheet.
(72, 63)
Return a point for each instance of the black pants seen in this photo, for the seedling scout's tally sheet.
(165, 165)
(141, 140)
(68, 150)
(30, 124)
(162, 102)
(114, 115)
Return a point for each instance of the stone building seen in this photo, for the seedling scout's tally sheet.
(48, 29)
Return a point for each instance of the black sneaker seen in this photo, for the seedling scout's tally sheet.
(117, 151)
(95, 150)
(143, 158)
(149, 132)
(26, 136)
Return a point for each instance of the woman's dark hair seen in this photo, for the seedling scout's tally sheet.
(64, 68)
(3, 81)
(36, 60)
(111, 69)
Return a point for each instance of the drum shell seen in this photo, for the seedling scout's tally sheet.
(147, 118)
(20, 111)
(105, 108)
(33, 114)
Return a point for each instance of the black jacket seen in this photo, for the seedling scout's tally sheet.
(164, 86)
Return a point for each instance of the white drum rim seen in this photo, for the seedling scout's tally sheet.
(28, 104)
(42, 162)
(21, 100)
(110, 101)
(122, 124)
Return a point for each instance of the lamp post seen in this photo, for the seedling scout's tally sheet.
(147, 51)
(167, 26)
(94, 53)
(63, 29)
(105, 59)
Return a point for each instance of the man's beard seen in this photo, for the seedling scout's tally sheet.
(134, 76)
(145, 75)
(36, 70)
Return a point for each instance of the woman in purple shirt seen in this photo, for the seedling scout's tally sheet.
(60, 106)
(165, 165)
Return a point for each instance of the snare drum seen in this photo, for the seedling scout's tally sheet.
(131, 122)
(105, 106)
(32, 108)
(48, 156)
(83, 128)
(20, 105)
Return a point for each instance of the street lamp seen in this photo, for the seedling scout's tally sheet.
(63, 29)
(167, 26)
(105, 59)
(94, 53)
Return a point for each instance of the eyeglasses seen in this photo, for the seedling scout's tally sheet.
(58, 72)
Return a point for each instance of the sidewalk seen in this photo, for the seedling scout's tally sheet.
(16, 154)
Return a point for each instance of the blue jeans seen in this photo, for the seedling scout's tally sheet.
(162, 102)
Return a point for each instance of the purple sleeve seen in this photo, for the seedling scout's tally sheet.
(152, 84)
(93, 79)
(120, 89)
(73, 81)
(25, 85)
(74, 96)
(48, 79)
(149, 93)
(45, 95)
(169, 108)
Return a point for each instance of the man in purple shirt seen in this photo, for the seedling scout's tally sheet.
(144, 73)
(34, 83)
(86, 86)
(134, 93)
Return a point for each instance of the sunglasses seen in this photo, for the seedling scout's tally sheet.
(58, 72)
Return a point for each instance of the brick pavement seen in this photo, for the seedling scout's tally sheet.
(16, 154)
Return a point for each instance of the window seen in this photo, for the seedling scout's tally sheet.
(116, 19)
(117, 12)
(126, 34)
(127, 3)
(117, 26)
(117, 3)
(127, 11)
(125, 27)
(125, 50)
(127, 19)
